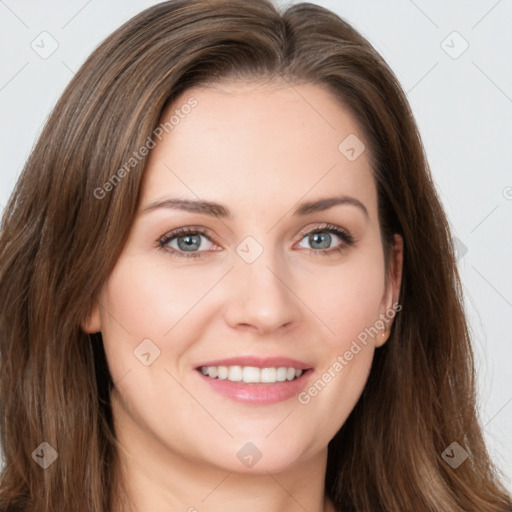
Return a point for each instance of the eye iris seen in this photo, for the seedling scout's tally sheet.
(319, 237)
(189, 242)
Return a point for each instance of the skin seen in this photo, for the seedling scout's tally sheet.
(259, 149)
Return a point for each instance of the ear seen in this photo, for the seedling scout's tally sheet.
(92, 322)
(392, 291)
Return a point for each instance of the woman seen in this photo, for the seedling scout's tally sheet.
(172, 336)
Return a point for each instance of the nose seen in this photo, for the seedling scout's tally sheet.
(261, 296)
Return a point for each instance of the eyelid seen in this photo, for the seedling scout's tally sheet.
(181, 231)
(325, 227)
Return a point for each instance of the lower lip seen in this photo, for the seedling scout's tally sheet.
(258, 393)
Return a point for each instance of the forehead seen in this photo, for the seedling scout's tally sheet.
(248, 143)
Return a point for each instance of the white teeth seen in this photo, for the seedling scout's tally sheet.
(222, 372)
(281, 374)
(268, 374)
(234, 373)
(252, 374)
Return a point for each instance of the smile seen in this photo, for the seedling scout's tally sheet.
(252, 374)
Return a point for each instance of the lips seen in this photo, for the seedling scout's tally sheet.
(270, 386)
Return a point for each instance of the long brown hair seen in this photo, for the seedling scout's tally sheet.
(60, 238)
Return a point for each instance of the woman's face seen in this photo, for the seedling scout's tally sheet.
(270, 278)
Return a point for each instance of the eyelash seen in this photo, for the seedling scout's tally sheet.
(347, 239)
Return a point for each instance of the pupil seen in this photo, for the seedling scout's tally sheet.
(190, 241)
(317, 237)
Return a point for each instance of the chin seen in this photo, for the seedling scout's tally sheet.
(257, 456)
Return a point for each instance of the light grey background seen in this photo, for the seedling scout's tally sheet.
(462, 103)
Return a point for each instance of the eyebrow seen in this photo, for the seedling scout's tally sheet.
(218, 210)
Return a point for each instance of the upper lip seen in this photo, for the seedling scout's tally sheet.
(258, 362)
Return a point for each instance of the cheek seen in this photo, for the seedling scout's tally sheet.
(347, 299)
(144, 301)
(348, 303)
(148, 300)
